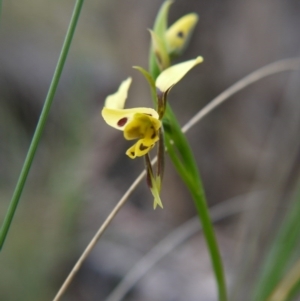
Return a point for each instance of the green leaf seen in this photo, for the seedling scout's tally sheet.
(294, 292)
(185, 164)
(288, 286)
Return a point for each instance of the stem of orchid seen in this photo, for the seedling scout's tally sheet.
(41, 123)
(187, 169)
(185, 164)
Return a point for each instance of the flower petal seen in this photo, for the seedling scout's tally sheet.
(178, 35)
(131, 152)
(117, 100)
(142, 126)
(120, 118)
(139, 149)
(171, 76)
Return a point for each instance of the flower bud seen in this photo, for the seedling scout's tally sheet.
(178, 35)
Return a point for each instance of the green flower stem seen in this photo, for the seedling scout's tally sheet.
(41, 123)
(188, 171)
(183, 160)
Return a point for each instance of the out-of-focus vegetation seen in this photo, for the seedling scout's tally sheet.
(249, 144)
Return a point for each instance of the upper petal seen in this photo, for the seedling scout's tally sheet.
(172, 75)
(117, 100)
(120, 118)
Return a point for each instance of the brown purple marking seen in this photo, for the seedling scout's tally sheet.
(148, 179)
(180, 34)
(159, 94)
(159, 59)
(143, 147)
(122, 122)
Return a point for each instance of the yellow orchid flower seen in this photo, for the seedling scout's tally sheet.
(143, 123)
(136, 123)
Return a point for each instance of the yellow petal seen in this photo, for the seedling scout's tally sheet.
(145, 128)
(178, 35)
(142, 126)
(171, 76)
(117, 100)
(120, 118)
(131, 152)
(139, 149)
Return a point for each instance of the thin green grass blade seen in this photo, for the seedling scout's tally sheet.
(173, 130)
(287, 287)
(282, 254)
(294, 293)
(41, 123)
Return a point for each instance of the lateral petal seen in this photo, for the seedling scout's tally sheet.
(172, 75)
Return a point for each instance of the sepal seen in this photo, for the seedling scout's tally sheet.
(119, 119)
(171, 76)
(152, 183)
(118, 99)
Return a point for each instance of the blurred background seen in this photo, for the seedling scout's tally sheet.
(248, 148)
